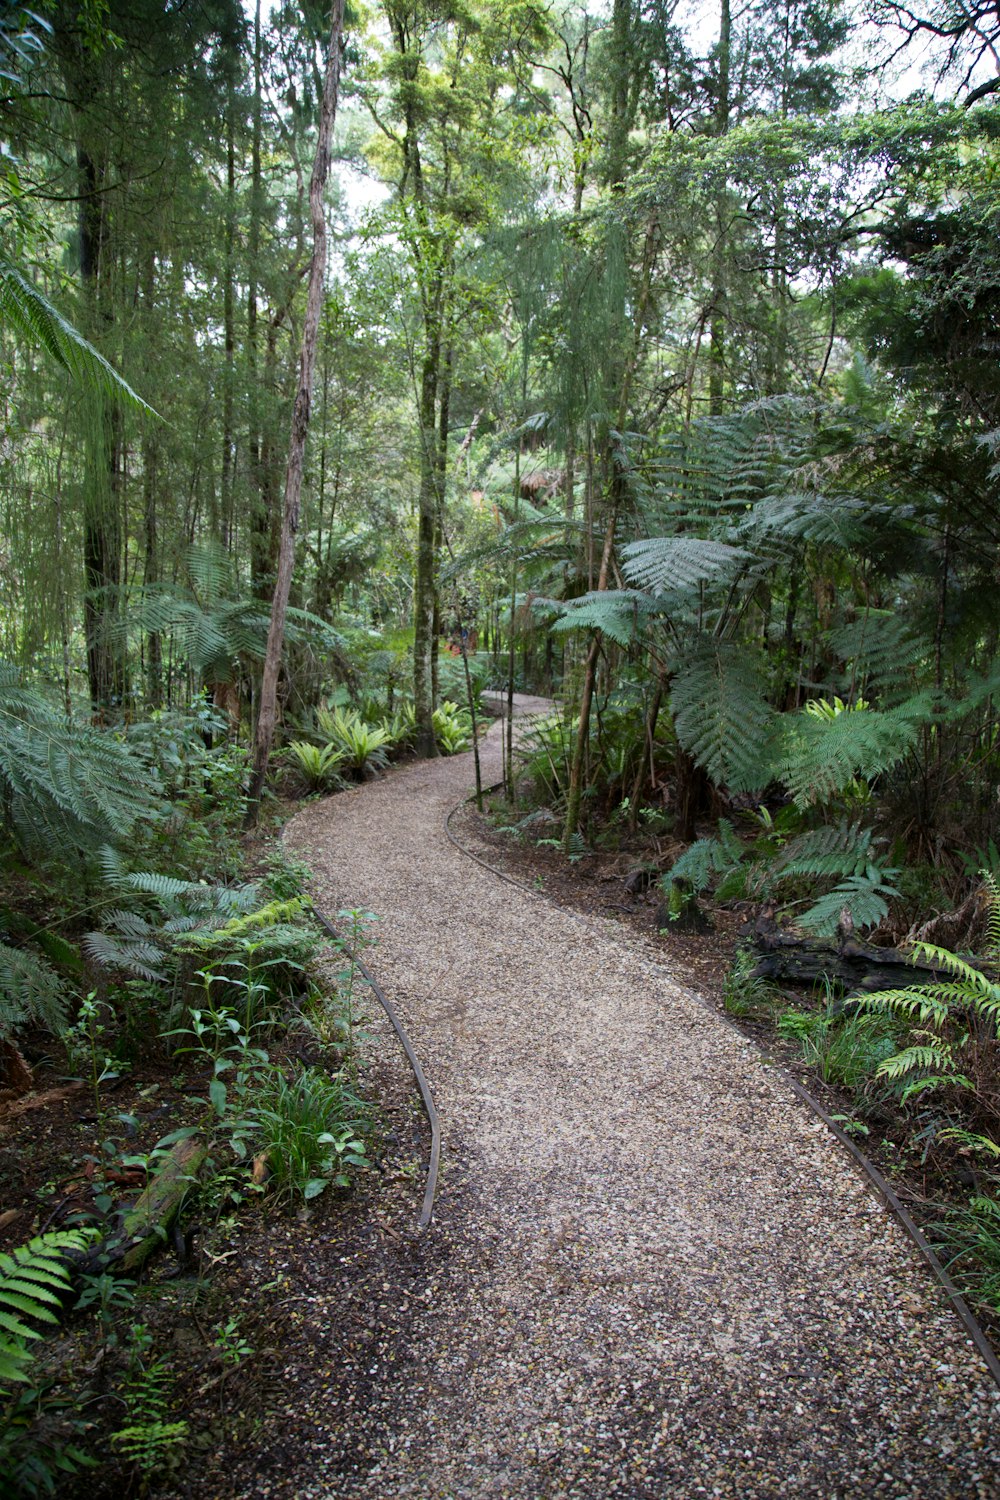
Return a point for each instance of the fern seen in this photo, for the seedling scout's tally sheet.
(316, 763)
(722, 717)
(822, 757)
(837, 849)
(63, 788)
(30, 992)
(824, 520)
(141, 944)
(958, 1020)
(34, 1279)
(933, 1060)
(666, 564)
(881, 650)
(705, 858)
(280, 913)
(32, 318)
(866, 896)
(360, 746)
(617, 613)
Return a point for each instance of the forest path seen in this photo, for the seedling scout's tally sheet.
(651, 1272)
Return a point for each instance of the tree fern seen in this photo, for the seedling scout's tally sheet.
(721, 714)
(821, 757)
(34, 1280)
(31, 992)
(63, 787)
(665, 564)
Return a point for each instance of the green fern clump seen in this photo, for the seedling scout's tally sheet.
(34, 1280)
(363, 748)
(845, 850)
(954, 1034)
(318, 765)
(452, 728)
(706, 858)
(841, 856)
(401, 727)
(139, 939)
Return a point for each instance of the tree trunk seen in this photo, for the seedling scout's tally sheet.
(717, 325)
(267, 706)
(575, 790)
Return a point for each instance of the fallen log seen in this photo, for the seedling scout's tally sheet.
(145, 1226)
(859, 967)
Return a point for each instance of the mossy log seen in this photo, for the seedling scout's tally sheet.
(143, 1228)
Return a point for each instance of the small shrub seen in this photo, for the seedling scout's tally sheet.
(743, 993)
(844, 1050)
(971, 1236)
(312, 1132)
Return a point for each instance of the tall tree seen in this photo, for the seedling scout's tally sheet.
(267, 709)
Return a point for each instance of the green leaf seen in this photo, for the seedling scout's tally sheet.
(31, 316)
(722, 716)
(217, 1092)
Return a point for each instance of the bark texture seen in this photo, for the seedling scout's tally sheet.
(267, 709)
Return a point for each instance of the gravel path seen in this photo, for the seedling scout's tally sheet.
(651, 1274)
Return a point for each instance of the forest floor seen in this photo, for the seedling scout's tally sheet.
(651, 1271)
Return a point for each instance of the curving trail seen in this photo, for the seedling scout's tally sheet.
(651, 1273)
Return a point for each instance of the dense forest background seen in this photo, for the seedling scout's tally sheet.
(656, 362)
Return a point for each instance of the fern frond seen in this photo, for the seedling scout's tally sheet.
(721, 715)
(34, 1278)
(921, 1002)
(991, 893)
(30, 992)
(618, 613)
(64, 787)
(843, 848)
(33, 318)
(866, 896)
(667, 564)
(824, 520)
(822, 757)
(972, 982)
(707, 857)
(882, 652)
(132, 956)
